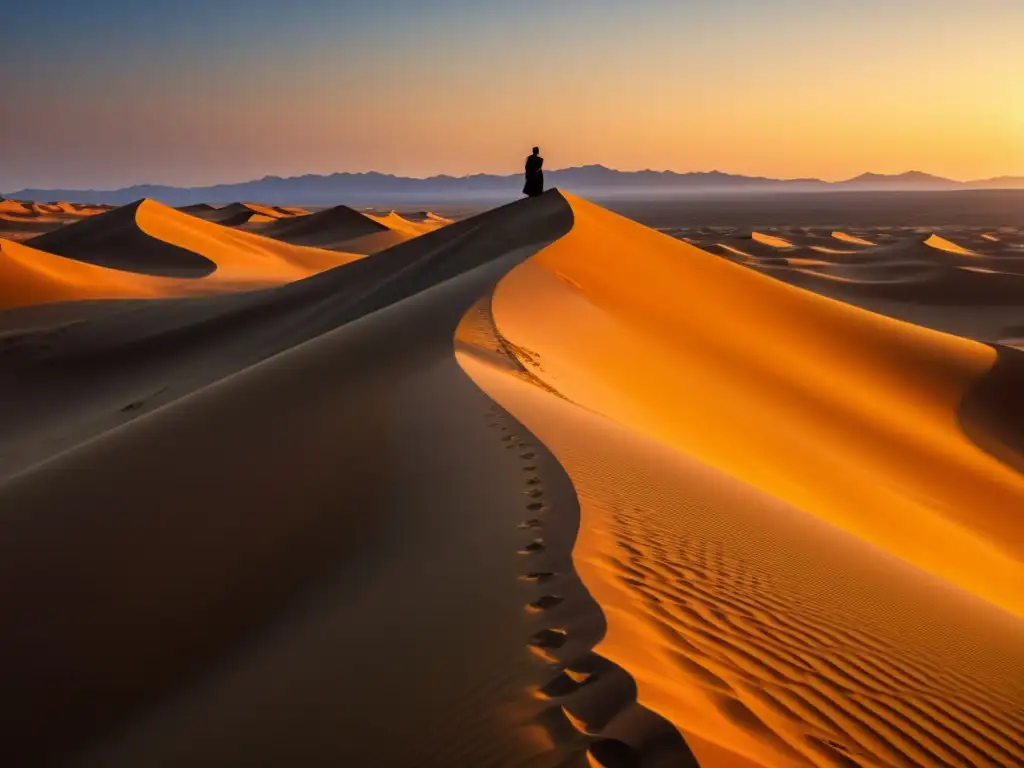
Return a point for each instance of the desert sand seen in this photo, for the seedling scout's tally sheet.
(540, 487)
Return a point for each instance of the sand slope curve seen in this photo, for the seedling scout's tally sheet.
(802, 554)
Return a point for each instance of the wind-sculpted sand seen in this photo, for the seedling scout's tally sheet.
(804, 554)
(541, 487)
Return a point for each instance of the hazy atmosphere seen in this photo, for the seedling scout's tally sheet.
(114, 93)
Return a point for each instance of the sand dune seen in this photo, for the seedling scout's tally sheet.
(237, 214)
(942, 244)
(381, 425)
(853, 239)
(22, 220)
(675, 498)
(773, 599)
(340, 228)
(396, 223)
(202, 210)
(29, 276)
(14, 207)
(772, 240)
(150, 238)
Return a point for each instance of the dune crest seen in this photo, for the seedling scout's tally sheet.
(780, 507)
(821, 365)
(340, 228)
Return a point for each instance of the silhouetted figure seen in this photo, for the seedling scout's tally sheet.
(534, 175)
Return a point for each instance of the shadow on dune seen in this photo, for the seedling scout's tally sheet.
(139, 559)
(115, 239)
(992, 413)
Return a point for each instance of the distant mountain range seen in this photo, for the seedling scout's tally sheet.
(591, 180)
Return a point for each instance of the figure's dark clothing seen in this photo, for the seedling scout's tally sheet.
(534, 176)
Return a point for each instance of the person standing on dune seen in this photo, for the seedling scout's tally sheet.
(534, 175)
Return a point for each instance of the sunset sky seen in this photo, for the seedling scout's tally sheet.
(115, 92)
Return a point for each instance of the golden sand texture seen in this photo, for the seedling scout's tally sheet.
(697, 331)
(802, 557)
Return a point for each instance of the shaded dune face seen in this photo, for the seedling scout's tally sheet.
(332, 225)
(241, 213)
(370, 596)
(119, 239)
(343, 228)
(800, 518)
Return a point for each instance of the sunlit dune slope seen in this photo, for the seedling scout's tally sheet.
(848, 415)
(802, 558)
(427, 217)
(942, 244)
(773, 240)
(14, 207)
(396, 223)
(852, 239)
(30, 276)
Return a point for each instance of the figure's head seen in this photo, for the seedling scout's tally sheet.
(536, 150)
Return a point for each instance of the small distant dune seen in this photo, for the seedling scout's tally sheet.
(397, 223)
(427, 217)
(852, 239)
(942, 244)
(339, 227)
(772, 240)
(149, 238)
(236, 214)
(14, 207)
(202, 210)
(344, 228)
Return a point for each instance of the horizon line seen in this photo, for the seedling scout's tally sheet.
(714, 171)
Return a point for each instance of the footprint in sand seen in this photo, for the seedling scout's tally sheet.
(533, 481)
(539, 576)
(535, 506)
(534, 547)
(530, 468)
(545, 603)
(533, 522)
(549, 638)
(559, 686)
